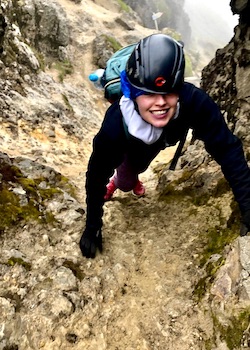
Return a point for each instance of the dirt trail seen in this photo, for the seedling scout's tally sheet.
(154, 246)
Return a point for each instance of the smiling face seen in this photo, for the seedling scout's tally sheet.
(157, 109)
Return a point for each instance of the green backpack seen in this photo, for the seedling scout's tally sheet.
(111, 77)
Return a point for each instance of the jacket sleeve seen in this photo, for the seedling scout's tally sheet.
(107, 154)
(224, 147)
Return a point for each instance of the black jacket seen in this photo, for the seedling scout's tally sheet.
(198, 112)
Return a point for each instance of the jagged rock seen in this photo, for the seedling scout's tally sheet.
(126, 22)
(41, 25)
(44, 24)
(227, 280)
(241, 7)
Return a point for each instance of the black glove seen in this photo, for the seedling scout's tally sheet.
(245, 223)
(91, 240)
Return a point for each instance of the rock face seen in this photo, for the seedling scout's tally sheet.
(242, 8)
(160, 283)
(228, 83)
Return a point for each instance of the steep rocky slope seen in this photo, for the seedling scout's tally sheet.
(173, 274)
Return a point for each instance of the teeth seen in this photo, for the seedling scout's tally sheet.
(160, 112)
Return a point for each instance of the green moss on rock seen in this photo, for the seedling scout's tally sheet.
(233, 331)
(216, 239)
(124, 6)
(29, 206)
(112, 42)
(64, 68)
(19, 261)
(198, 195)
(9, 208)
(9, 172)
(188, 66)
(12, 212)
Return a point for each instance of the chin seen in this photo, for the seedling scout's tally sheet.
(160, 123)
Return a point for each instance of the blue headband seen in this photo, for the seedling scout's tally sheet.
(129, 90)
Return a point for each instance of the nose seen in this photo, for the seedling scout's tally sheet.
(160, 99)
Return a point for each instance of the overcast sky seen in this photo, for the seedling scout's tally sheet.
(211, 19)
(223, 9)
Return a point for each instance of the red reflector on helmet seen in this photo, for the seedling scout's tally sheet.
(160, 81)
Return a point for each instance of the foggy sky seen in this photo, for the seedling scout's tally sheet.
(211, 20)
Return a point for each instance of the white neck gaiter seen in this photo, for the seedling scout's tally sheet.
(138, 127)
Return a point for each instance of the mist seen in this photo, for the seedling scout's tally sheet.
(211, 21)
(212, 26)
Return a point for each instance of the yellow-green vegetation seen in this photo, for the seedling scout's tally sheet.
(196, 196)
(188, 66)
(216, 239)
(205, 282)
(64, 68)
(63, 182)
(12, 211)
(171, 32)
(233, 331)
(19, 261)
(113, 42)
(31, 187)
(14, 208)
(124, 6)
(40, 58)
(170, 190)
(10, 173)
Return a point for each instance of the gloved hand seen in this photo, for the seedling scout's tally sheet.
(90, 241)
(245, 223)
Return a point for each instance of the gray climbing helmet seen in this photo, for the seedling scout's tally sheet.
(157, 65)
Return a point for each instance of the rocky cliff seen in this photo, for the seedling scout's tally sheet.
(174, 274)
